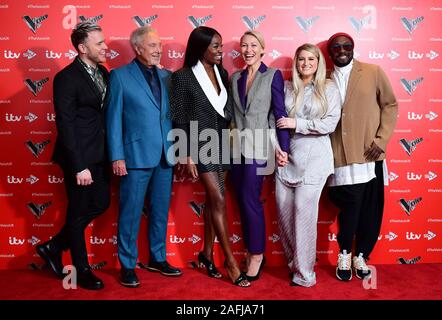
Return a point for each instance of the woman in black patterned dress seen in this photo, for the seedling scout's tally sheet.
(200, 107)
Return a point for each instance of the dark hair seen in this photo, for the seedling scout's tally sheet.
(81, 31)
(199, 40)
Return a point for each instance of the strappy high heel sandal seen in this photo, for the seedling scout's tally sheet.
(210, 267)
(241, 281)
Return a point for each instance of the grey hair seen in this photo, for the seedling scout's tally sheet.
(137, 34)
(81, 32)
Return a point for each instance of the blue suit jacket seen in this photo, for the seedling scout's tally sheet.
(137, 126)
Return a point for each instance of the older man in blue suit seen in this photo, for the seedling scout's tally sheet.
(137, 121)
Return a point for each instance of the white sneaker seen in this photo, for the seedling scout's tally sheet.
(361, 269)
(343, 269)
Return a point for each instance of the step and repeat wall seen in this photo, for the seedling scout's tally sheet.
(403, 37)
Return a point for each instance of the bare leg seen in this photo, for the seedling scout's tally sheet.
(209, 232)
(217, 209)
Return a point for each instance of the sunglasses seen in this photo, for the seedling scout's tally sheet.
(338, 47)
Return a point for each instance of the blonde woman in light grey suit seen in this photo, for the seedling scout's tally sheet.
(313, 106)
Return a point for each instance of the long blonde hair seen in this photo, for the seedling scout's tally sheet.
(319, 81)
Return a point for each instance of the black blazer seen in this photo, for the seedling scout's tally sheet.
(79, 118)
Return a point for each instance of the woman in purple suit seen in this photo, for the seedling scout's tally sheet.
(258, 95)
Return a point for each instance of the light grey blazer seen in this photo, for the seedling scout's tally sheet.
(311, 154)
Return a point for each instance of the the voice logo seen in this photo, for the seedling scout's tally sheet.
(253, 23)
(410, 146)
(197, 22)
(37, 148)
(411, 85)
(198, 208)
(141, 22)
(38, 209)
(54, 180)
(411, 24)
(96, 240)
(34, 23)
(369, 21)
(13, 241)
(306, 23)
(409, 205)
(409, 261)
(274, 238)
(35, 86)
(172, 54)
(93, 19)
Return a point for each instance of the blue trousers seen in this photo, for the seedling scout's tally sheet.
(156, 184)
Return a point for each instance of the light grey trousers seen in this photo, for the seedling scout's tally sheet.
(298, 217)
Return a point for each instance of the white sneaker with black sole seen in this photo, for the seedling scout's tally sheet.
(362, 271)
(343, 269)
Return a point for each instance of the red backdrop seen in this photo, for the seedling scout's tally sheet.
(404, 37)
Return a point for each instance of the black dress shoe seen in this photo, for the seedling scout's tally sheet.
(52, 257)
(128, 278)
(164, 268)
(87, 280)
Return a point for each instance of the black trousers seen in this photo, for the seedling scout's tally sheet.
(85, 203)
(361, 210)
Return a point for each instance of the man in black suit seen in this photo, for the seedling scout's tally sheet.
(80, 150)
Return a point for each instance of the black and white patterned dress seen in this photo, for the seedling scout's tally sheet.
(188, 102)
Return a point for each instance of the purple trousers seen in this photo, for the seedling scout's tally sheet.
(248, 187)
